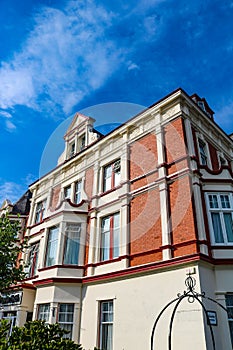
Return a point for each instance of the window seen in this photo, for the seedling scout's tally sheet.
(77, 194)
(110, 229)
(203, 152)
(65, 318)
(82, 142)
(67, 192)
(222, 159)
(52, 243)
(40, 209)
(72, 242)
(221, 217)
(33, 259)
(229, 305)
(43, 312)
(72, 150)
(112, 175)
(106, 325)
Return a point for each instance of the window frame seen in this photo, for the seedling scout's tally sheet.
(46, 312)
(67, 323)
(230, 319)
(78, 192)
(65, 192)
(203, 153)
(72, 149)
(114, 182)
(67, 239)
(113, 231)
(103, 324)
(33, 253)
(40, 211)
(51, 244)
(218, 208)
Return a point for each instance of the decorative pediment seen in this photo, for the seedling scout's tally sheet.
(78, 122)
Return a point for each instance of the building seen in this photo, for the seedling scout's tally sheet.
(15, 304)
(116, 227)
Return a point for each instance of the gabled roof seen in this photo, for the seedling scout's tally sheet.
(22, 206)
(78, 120)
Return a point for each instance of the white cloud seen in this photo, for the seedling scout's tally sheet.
(133, 66)
(10, 190)
(13, 191)
(5, 114)
(10, 126)
(66, 56)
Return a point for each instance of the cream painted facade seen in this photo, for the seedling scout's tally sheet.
(122, 220)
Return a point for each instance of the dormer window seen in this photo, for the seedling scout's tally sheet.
(201, 105)
(82, 142)
(72, 150)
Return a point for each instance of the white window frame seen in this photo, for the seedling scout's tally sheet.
(218, 208)
(52, 243)
(110, 234)
(72, 233)
(200, 139)
(66, 322)
(65, 190)
(106, 319)
(33, 253)
(40, 211)
(78, 191)
(109, 172)
(43, 312)
(221, 157)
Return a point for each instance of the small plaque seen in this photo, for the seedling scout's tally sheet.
(212, 318)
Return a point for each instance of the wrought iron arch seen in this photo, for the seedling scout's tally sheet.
(191, 295)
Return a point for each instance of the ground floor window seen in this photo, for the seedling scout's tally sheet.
(66, 318)
(106, 325)
(229, 305)
(43, 312)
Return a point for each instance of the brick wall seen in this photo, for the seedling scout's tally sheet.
(182, 217)
(89, 176)
(145, 229)
(55, 197)
(175, 146)
(143, 160)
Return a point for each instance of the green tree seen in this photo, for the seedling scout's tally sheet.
(36, 335)
(11, 270)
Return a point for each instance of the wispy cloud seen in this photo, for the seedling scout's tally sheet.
(13, 191)
(66, 56)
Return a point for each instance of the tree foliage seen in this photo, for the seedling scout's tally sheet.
(36, 335)
(11, 271)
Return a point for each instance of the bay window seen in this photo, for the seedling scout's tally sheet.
(110, 230)
(220, 209)
(112, 175)
(52, 244)
(106, 325)
(72, 243)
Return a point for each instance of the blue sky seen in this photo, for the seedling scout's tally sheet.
(59, 57)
